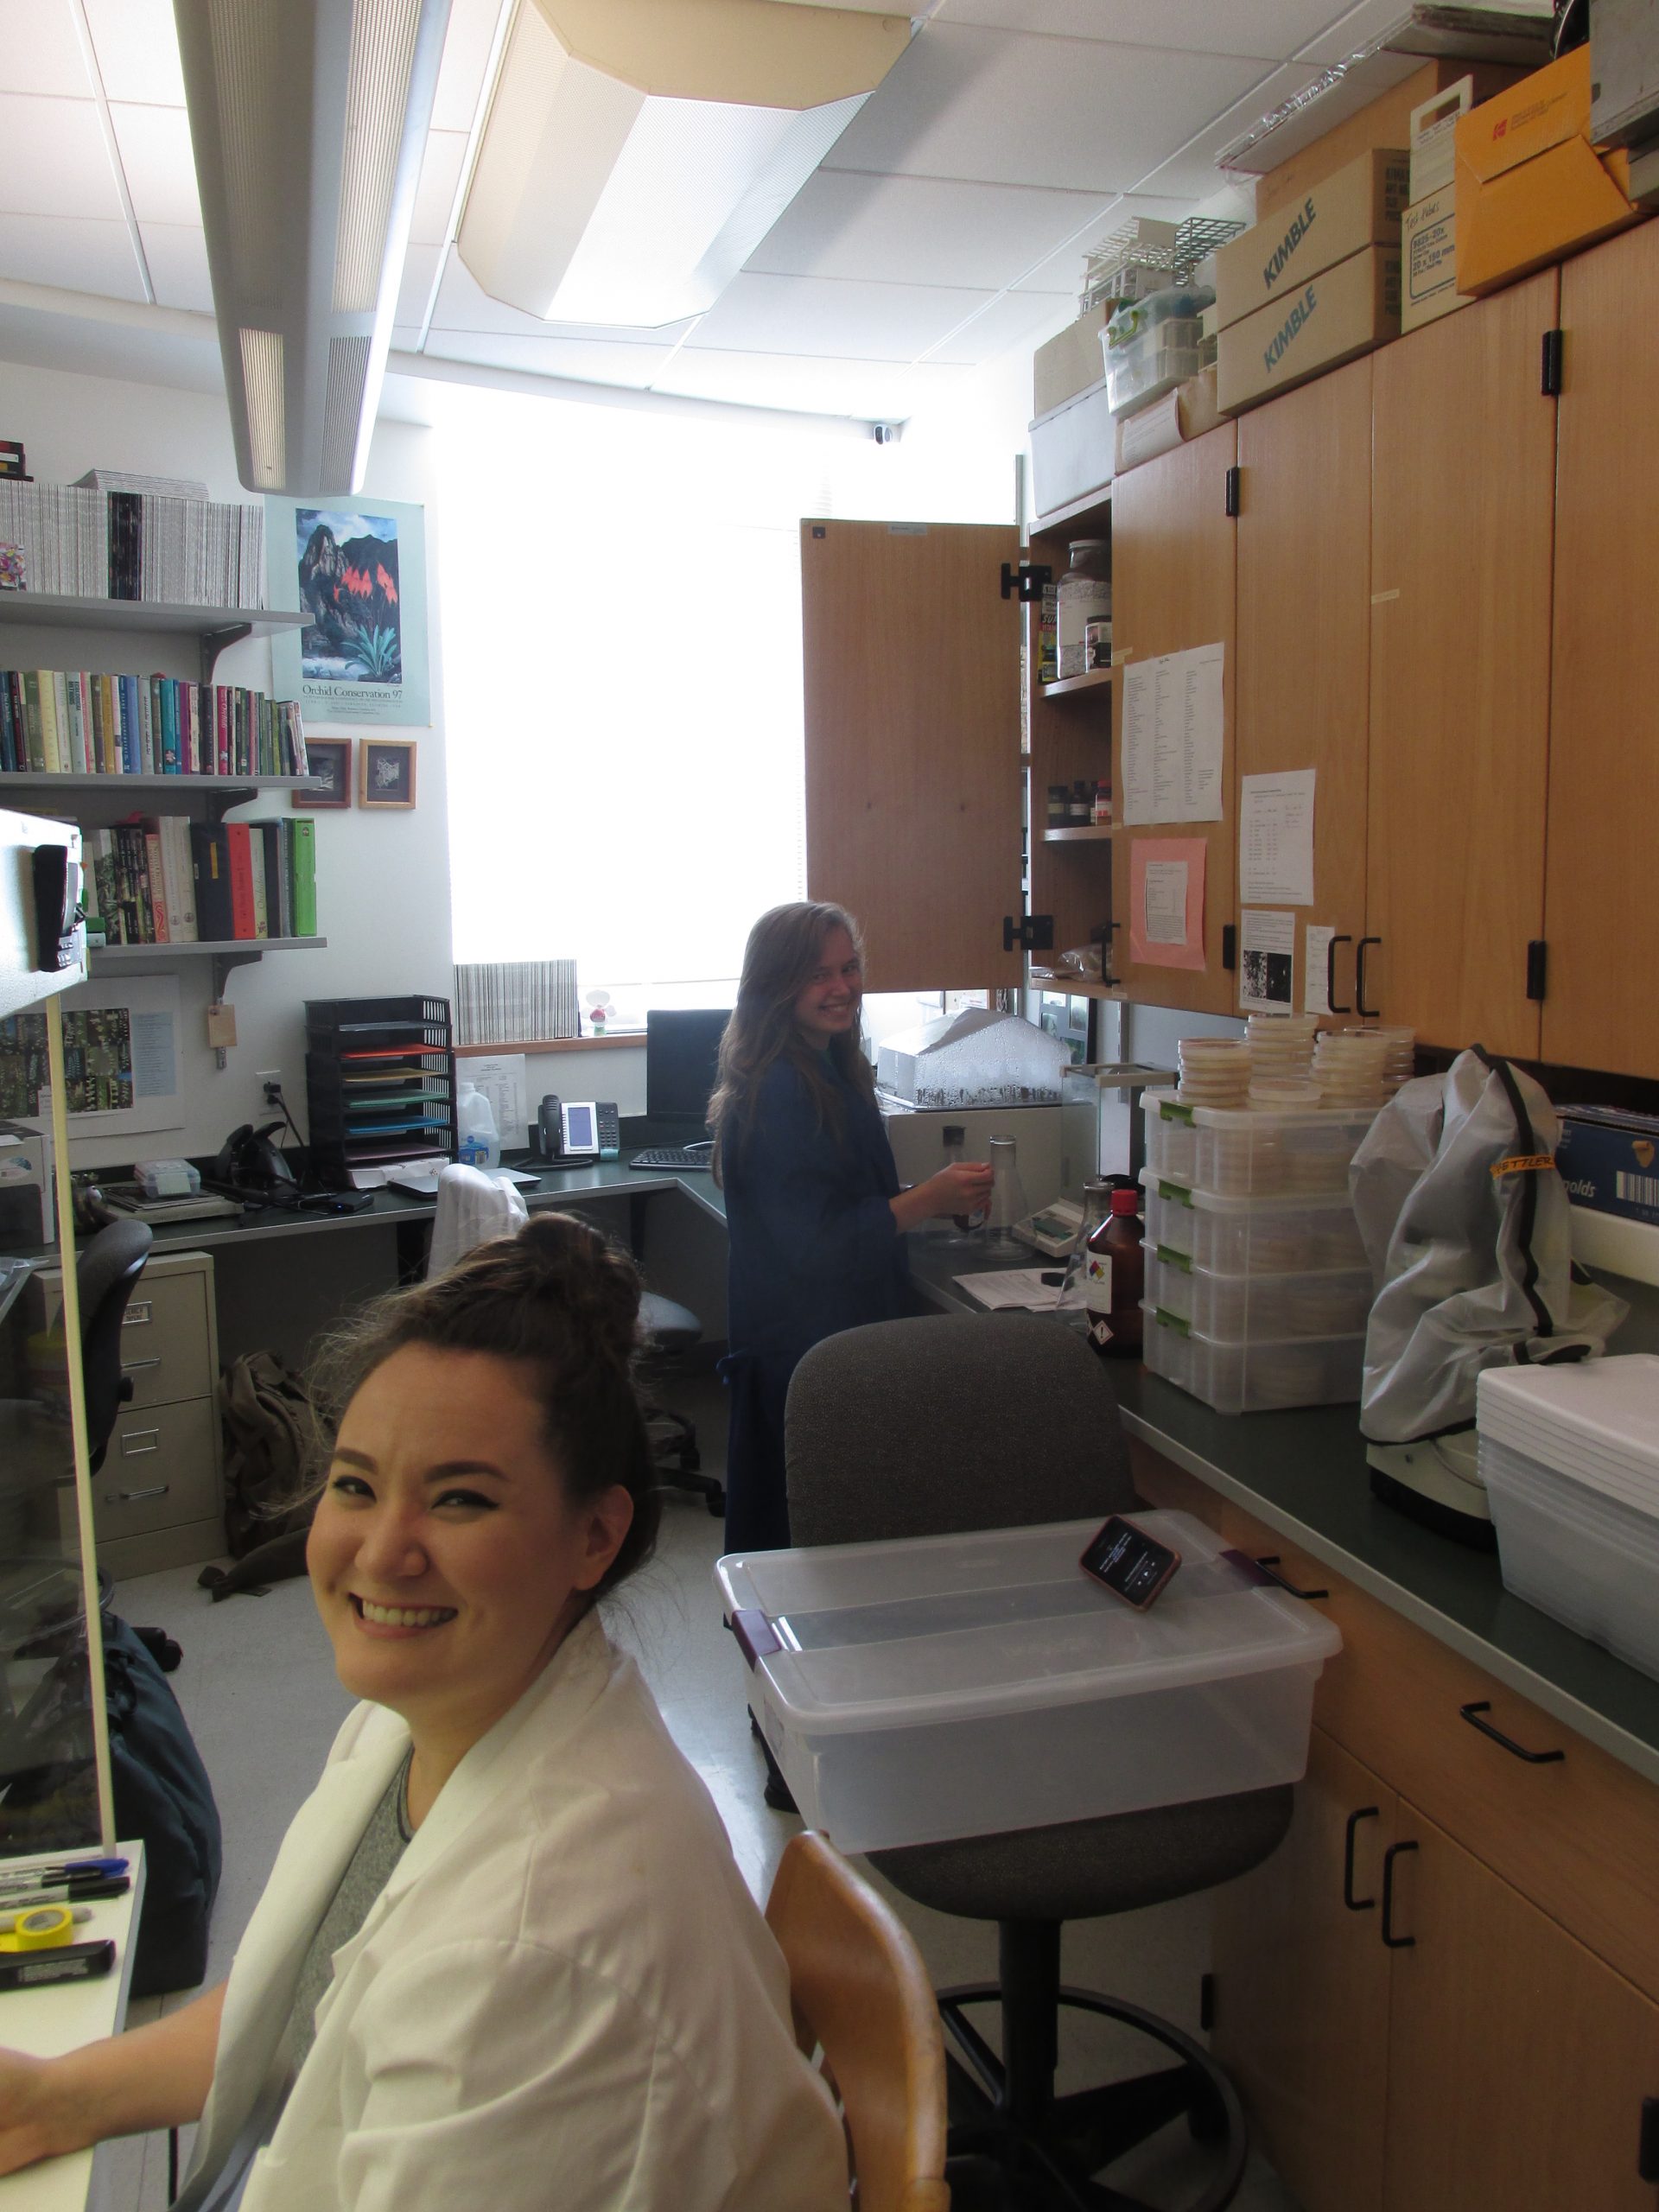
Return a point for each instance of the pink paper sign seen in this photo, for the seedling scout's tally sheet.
(1167, 901)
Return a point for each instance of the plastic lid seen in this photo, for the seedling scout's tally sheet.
(1604, 1410)
(1125, 1201)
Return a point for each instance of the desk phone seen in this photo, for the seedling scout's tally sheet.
(585, 1129)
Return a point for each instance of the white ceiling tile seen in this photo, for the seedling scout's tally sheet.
(1066, 112)
(911, 230)
(420, 270)
(466, 53)
(137, 43)
(77, 253)
(39, 51)
(815, 314)
(99, 349)
(405, 337)
(876, 389)
(463, 304)
(1063, 271)
(590, 361)
(1013, 319)
(156, 155)
(1271, 30)
(435, 195)
(1191, 173)
(177, 255)
(56, 162)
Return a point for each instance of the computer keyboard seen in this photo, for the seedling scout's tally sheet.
(675, 1155)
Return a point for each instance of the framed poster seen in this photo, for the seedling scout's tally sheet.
(123, 1059)
(357, 569)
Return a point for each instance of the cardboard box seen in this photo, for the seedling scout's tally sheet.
(1428, 261)
(1186, 412)
(1360, 206)
(1530, 187)
(1068, 364)
(1434, 138)
(1343, 312)
(1385, 121)
(1609, 1160)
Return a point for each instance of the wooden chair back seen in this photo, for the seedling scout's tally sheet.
(862, 1996)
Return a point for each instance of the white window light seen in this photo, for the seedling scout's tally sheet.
(637, 151)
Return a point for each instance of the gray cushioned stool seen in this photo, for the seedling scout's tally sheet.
(915, 1428)
(671, 1328)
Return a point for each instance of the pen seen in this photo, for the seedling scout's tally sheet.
(67, 1870)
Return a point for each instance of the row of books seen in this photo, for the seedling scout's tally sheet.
(90, 542)
(160, 880)
(57, 721)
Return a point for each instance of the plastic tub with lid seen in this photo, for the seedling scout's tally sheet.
(965, 1684)
(1245, 1308)
(1267, 1375)
(1271, 1235)
(1245, 1151)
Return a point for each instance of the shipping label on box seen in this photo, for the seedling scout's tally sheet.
(1360, 206)
(1428, 261)
(1345, 312)
(1609, 1160)
(1433, 137)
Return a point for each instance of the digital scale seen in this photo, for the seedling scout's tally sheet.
(1053, 1229)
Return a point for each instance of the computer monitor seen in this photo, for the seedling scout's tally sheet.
(682, 1048)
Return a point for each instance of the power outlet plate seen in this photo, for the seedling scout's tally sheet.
(265, 1077)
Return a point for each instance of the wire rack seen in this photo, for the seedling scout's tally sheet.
(1178, 247)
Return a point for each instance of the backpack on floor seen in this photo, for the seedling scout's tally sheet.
(268, 1442)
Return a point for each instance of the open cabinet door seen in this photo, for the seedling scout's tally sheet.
(911, 673)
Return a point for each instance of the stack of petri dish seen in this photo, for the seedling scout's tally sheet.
(1348, 1067)
(1281, 1047)
(1214, 1071)
(1400, 1054)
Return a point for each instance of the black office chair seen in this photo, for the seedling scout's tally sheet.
(672, 1329)
(914, 1429)
(107, 1269)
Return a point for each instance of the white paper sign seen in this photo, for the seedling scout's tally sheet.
(1173, 736)
(1316, 973)
(1267, 951)
(1275, 839)
(500, 1079)
(1166, 902)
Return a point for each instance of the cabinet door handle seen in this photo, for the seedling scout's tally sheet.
(1268, 1566)
(1394, 1942)
(1354, 1904)
(1369, 1012)
(1471, 1714)
(133, 1444)
(1331, 974)
(135, 1496)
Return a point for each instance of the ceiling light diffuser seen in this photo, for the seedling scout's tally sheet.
(638, 151)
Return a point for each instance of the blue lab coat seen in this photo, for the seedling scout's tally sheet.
(814, 1248)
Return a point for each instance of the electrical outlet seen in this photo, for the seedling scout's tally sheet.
(270, 1085)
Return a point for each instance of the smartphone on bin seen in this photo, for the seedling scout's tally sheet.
(1132, 1564)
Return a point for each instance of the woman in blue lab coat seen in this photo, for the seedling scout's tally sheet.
(815, 1215)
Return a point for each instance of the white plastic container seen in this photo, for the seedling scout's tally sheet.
(1152, 364)
(1071, 449)
(1264, 1376)
(966, 1685)
(1263, 1236)
(480, 1142)
(1243, 1151)
(1252, 1308)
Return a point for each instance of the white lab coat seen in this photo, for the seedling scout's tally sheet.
(564, 2000)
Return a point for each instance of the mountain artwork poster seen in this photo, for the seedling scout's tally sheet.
(356, 570)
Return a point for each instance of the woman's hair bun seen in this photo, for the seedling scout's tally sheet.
(590, 1278)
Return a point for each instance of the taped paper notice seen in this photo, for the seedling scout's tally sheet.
(1275, 839)
(1167, 901)
(1316, 969)
(500, 1079)
(1173, 730)
(1266, 954)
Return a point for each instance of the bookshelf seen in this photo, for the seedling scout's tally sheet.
(213, 628)
(99, 802)
(224, 952)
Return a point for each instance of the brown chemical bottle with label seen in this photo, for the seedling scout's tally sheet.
(1115, 1274)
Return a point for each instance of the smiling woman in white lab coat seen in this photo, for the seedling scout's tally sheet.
(504, 1957)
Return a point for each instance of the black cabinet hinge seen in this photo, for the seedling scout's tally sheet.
(1229, 945)
(1031, 932)
(1026, 583)
(1537, 968)
(1554, 347)
(1232, 491)
(1647, 2149)
(1207, 2003)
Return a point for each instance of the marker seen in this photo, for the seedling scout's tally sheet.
(65, 1869)
(65, 1893)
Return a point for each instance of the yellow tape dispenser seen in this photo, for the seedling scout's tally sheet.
(39, 1929)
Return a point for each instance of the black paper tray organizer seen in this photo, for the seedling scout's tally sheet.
(380, 1084)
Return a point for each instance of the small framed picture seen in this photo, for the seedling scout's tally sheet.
(385, 772)
(329, 759)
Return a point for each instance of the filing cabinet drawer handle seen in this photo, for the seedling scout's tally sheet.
(1269, 1565)
(1394, 1942)
(137, 1366)
(132, 1444)
(137, 1497)
(137, 1314)
(1354, 1904)
(1471, 1714)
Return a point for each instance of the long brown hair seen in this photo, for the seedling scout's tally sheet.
(785, 947)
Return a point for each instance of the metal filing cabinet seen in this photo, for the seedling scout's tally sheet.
(158, 1499)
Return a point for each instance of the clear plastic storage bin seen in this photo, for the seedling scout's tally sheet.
(1588, 1559)
(1263, 1236)
(1243, 1151)
(1253, 1307)
(965, 1684)
(1152, 364)
(1266, 1376)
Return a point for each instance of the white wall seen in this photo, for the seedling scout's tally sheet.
(382, 879)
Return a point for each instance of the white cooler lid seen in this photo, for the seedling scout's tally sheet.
(1003, 1620)
(1590, 1413)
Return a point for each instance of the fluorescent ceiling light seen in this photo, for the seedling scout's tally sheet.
(308, 120)
(638, 151)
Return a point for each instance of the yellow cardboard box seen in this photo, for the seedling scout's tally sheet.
(1342, 312)
(1360, 206)
(1428, 260)
(1529, 185)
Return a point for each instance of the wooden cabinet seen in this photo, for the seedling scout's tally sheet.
(1174, 564)
(1303, 630)
(1604, 797)
(911, 673)
(1461, 541)
(1070, 726)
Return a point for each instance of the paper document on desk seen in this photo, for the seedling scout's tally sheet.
(1013, 1287)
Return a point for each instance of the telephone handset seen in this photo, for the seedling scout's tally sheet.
(58, 911)
(249, 1165)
